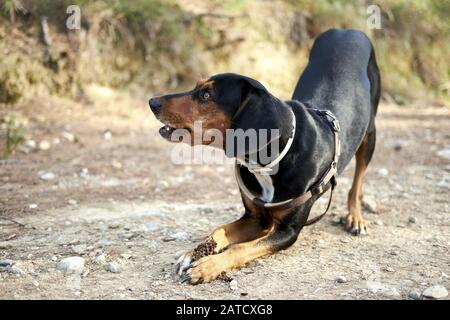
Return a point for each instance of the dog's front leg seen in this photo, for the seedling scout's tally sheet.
(210, 267)
(247, 228)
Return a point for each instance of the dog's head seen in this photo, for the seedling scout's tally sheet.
(224, 101)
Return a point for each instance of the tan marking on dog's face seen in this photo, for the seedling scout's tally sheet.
(182, 111)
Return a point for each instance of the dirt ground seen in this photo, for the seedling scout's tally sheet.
(115, 192)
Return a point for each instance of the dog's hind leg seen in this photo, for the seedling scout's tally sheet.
(354, 221)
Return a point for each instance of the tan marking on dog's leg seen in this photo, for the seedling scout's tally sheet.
(210, 267)
(354, 221)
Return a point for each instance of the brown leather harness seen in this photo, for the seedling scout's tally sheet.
(317, 189)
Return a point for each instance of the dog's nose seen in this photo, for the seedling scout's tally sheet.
(155, 104)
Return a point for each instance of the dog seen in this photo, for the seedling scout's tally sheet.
(330, 119)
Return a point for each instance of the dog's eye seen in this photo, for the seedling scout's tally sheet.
(205, 95)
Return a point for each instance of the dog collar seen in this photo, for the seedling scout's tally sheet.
(317, 189)
(255, 168)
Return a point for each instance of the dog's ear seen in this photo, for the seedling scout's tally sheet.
(255, 113)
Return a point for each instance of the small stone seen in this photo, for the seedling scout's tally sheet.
(378, 222)
(341, 279)
(46, 176)
(149, 227)
(56, 141)
(435, 292)
(162, 184)
(116, 164)
(14, 270)
(125, 256)
(412, 219)
(44, 145)
(112, 267)
(114, 225)
(72, 202)
(107, 135)
(389, 269)
(68, 136)
(182, 235)
(415, 295)
(5, 262)
(336, 220)
(444, 153)
(54, 258)
(383, 172)
(369, 204)
(33, 206)
(345, 240)
(71, 265)
(100, 259)
(84, 173)
(104, 242)
(233, 285)
(30, 144)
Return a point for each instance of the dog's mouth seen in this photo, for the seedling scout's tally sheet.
(168, 130)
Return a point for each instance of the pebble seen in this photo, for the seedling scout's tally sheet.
(435, 292)
(369, 204)
(46, 176)
(107, 135)
(378, 222)
(341, 279)
(71, 265)
(412, 219)
(233, 285)
(336, 220)
(114, 225)
(161, 184)
(389, 269)
(72, 202)
(5, 262)
(112, 267)
(100, 259)
(33, 206)
(68, 136)
(444, 153)
(149, 227)
(182, 235)
(415, 295)
(383, 172)
(30, 144)
(44, 145)
(345, 240)
(14, 270)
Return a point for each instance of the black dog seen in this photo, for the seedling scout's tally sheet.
(342, 77)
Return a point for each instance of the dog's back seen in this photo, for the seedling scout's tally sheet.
(342, 76)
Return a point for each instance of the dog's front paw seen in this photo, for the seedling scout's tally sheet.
(183, 262)
(354, 224)
(206, 269)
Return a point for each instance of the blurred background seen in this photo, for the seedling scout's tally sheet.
(81, 159)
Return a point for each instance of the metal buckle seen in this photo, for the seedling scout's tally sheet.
(331, 119)
(317, 190)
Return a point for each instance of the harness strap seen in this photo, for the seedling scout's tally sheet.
(317, 189)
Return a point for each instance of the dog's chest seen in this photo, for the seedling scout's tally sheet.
(265, 181)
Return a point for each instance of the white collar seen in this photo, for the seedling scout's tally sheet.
(255, 168)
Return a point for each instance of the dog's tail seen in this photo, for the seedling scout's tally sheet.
(375, 82)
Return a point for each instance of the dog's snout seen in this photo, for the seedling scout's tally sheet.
(155, 104)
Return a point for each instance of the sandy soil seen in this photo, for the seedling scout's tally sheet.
(122, 197)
